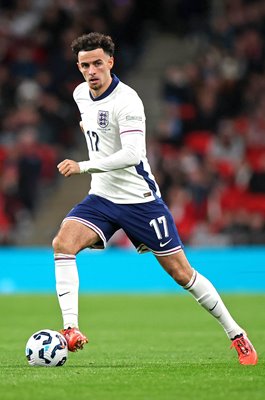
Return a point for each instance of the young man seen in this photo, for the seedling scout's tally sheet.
(123, 194)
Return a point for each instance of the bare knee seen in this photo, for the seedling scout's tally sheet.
(74, 237)
(60, 245)
(66, 241)
(181, 275)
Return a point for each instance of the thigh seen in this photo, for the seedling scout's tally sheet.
(151, 226)
(98, 215)
(74, 236)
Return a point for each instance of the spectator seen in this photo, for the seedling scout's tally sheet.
(218, 96)
(37, 75)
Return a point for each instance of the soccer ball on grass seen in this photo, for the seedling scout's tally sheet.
(46, 348)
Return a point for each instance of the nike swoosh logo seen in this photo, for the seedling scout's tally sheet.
(164, 244)
(60, 295)
(211, 309)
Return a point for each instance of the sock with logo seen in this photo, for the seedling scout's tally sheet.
(67, 285)
(206, 295)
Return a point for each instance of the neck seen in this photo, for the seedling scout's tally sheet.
(96, 93)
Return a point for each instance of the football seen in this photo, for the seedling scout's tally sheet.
(46, 348)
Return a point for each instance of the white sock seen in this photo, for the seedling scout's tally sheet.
(67, 285)
(206, 295)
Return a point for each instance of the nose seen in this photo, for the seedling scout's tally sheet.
(91, 70)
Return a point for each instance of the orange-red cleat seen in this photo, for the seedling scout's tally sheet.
(247, 355)
(75, 339)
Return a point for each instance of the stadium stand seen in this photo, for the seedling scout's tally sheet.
(207, 147)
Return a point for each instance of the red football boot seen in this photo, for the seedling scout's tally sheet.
(247, 355)
(75, 339)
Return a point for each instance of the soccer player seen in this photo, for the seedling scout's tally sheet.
(123, 194)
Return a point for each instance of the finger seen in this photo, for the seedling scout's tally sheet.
(68, 172)
(63, 163)
(64, 169)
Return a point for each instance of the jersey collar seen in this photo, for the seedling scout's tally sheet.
(107, 92)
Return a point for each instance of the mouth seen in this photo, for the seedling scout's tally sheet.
(93, 80)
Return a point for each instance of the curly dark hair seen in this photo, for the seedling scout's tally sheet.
(92, 41)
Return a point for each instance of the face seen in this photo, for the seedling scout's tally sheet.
(95, 66)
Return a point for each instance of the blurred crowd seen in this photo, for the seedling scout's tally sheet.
(208, 152)
(208, 149)
(38, 118)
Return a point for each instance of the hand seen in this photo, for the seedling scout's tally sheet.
(68, 168)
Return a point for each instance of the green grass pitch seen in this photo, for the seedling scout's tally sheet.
(142, 347)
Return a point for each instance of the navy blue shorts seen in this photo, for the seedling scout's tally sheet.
(149, 226)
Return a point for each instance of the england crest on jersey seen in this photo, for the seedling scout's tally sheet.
(103, 118)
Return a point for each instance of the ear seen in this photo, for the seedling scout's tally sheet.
(78, 66)
(111, 62)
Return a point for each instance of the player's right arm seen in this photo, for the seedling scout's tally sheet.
(129, 114)
(68, 168)
(128, 156)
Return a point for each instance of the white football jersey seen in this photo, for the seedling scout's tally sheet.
(118, 111)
